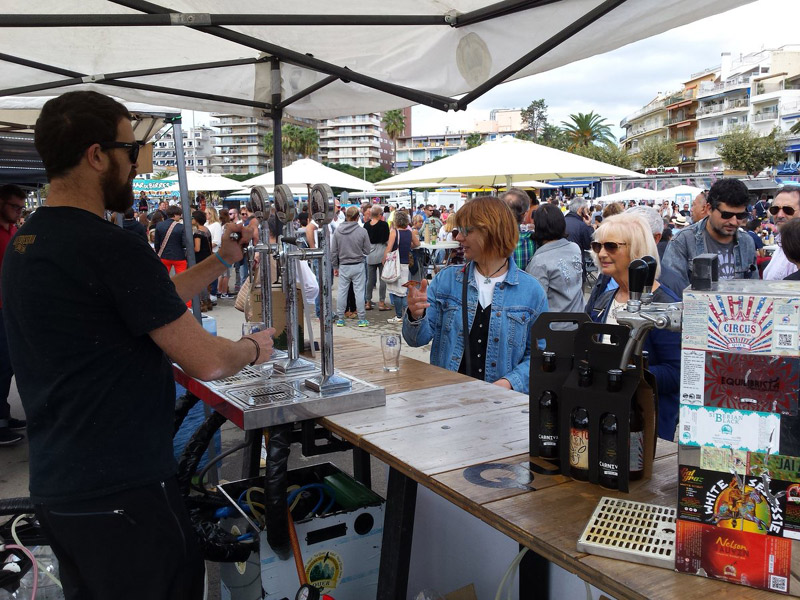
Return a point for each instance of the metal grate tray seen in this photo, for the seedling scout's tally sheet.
(245, 376)
(266, 394)
(633, 531)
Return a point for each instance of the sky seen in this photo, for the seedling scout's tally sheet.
(618, 83)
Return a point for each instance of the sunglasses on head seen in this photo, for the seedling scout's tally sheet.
(729, 215)
(787, 210)
(132, 147)
(609, 247)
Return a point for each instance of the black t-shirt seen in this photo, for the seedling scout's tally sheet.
(378, 233)
(80, 296)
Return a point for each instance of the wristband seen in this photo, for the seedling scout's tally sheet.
(258, 350)
(222, 260)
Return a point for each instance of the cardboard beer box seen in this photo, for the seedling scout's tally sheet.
(743, 316)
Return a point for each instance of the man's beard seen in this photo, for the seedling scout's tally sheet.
(117, 197)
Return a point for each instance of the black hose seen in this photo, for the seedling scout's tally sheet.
(276, 481)
(200, 486)
(182, 407)
(193, 452)
(16, 506)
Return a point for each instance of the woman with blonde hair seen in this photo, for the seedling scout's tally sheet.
(501, 301)
(618, 240)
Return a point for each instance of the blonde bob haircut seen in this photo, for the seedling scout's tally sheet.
(494, 220)
(631, 229)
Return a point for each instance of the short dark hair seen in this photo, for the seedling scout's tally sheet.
(753, 225)
(128, 213)
(790, 239)
(549, 223)
(729, 191)
(9, 191)
(71, 123)
(303, 218)
(199, 216)
(666, 235)
(174, 210)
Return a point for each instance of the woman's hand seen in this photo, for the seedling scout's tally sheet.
(418, 300)
(503, 383)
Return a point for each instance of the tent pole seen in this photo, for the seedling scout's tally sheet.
(277, 115)
(177, 134)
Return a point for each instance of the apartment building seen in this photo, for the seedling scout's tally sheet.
(197, 150)
(358, 140)
(760, 90)
(239, 144)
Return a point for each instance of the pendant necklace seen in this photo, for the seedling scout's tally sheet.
(488, 278)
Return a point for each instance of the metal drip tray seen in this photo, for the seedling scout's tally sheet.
(266, 394)
(633, 531)
(248, 375)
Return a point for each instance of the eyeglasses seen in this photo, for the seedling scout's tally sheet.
(610, 247)
(16, 207)
(787, 210)
(729, 215)
(132, 147)
(463, 231)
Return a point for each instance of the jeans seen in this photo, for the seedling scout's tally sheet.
(351, 274)
(374, 272)
(400, 304)
(127, 545)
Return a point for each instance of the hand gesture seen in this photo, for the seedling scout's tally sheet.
(231, 249)
(418, 300)
(265, 344)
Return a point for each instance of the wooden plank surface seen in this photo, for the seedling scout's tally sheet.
(409, 409)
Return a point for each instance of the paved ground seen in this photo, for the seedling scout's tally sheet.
(14, 460)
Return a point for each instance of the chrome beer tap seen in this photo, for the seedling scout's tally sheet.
(641, 314)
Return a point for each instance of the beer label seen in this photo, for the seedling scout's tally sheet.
(579, 448)
(637, 451)
(727, 428)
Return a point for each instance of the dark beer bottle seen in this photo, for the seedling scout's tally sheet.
(548, 413)
(579, 444)
(584, 375)
(637, 442)
(609, 459)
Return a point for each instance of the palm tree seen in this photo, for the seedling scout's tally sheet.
(294, 141)
(585, 129)
(309, 141)
(394, 122)
(473, 140)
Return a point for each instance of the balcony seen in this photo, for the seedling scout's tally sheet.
(719, 130)
(679, 119)
(642, 129)
(708, 89)
(652, 107)
(680, 97)
(722, 107)
(765, 115)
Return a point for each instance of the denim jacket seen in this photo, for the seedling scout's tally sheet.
(516, 304)
(691, 242)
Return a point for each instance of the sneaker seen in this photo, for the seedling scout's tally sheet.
(213, 299)
(9, 438)
(340, 323)
(363, 323)
(226, 296)
(394, 320)
(17, 424)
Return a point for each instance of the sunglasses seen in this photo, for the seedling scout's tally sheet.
(729, 215)
(787, 210)
(463, 231)
(132, 147)
(610, 247)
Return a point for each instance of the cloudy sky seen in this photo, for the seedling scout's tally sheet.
(620, 82)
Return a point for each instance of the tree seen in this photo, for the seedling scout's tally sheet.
(524, 136)
(474, 140)
(585, 129)
(658, 152)
(535, 118)
(610, 154)
(394, 122)
(554, 137)
(295, 141)
(744, 150)
(162, 175)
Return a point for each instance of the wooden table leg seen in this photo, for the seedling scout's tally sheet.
(398, 530)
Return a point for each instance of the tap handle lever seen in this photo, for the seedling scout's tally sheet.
(637, 277)
(652, 263)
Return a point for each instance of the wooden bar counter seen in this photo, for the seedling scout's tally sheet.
(459, 437)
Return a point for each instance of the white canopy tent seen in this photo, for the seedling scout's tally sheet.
(309, 172)
(680, 193)
(504, 162)
(634, 193)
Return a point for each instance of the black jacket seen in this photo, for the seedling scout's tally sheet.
(578, 231)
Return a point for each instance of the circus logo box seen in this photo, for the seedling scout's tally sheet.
(748, 318)
(740, 381)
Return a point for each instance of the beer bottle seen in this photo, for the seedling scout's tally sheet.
(637, 442)
(548, 413)
(609, 462)
(579, 444)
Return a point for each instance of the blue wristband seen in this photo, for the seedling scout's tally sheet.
(222, 260)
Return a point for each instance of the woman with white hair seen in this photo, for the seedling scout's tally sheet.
(619, 240)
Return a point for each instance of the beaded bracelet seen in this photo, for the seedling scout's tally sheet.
(258, 350)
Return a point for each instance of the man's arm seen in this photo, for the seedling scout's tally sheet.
(206, 357)
(676, 256)
(192, 281)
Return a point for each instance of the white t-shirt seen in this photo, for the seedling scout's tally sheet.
(486, 290)
(216, 234)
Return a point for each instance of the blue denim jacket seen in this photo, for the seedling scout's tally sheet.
(516, 304)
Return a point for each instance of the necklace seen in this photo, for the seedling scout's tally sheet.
(488, 278)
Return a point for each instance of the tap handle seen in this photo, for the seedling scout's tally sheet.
(637, 276)
(652, 263)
